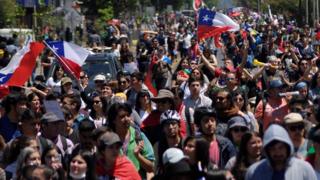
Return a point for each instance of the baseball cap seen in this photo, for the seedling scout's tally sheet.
(50, 117)
(110, 138)
(237, 121)
(293, 118)
(99, 77)
(301, 85)
(172, 155)
(163, 94)
(65, 80)
(276, 83)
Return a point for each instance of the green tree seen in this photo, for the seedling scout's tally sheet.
(10, 13)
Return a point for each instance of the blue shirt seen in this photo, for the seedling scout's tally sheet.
(8, 129)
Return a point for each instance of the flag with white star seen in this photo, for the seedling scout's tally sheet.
(212, 24)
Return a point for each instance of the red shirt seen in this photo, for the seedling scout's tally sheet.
(123, 169)
(154, 120)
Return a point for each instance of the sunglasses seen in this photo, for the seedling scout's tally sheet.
(82, 77)
(299, 127)
(162, 101)
(98, 82)
(123, 82)
(239, 129)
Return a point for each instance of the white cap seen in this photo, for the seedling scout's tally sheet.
(99, 77)
(172, 155)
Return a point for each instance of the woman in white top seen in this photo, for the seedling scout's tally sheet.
(143, 104)
(55, 81)
(98, 111)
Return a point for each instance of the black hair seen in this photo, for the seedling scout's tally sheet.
(242, 162)
(202, 151)
(201, 112)
(13, 99)
(140, 94)
(49, 148)
(201, 75)
(48, 172)
(244, 96)
(104, 106)
(298, 100)
(26, 172)
(27, 115)
(113, 113)
(55, 72)
(75, 99)
(137, 75)
(86, 125)
(192, 79)
(181, 61)
(90, 161)
(229, 97)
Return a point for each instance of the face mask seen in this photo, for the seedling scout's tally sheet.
(79, 176)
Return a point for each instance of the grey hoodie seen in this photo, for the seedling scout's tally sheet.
(297, 169)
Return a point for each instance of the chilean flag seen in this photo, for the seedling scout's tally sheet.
(212, 24)
(70, 56)
(21, 66)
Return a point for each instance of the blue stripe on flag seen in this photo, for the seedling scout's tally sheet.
(4, 78)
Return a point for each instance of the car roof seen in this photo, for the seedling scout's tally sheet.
(100, 57)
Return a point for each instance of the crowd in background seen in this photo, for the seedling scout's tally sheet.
(248, 110)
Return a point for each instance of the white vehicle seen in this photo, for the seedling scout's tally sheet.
(22, 33)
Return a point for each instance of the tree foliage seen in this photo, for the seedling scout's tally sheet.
(10, 13)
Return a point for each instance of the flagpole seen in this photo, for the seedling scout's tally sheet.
(69, 71)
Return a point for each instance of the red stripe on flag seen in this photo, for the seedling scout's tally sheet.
(209, 31)
(148, 79)
(71, 66)
(4, 91)
(27, 64)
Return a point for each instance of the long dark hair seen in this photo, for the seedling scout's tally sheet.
(202, 152)
(142, 94)
(229, 98)
(104, 106)
(113, 113)
(90, 160)
(242, 163)
(179, 65)
(55, 72)
(245, 99)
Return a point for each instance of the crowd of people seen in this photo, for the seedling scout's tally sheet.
(248, 110)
